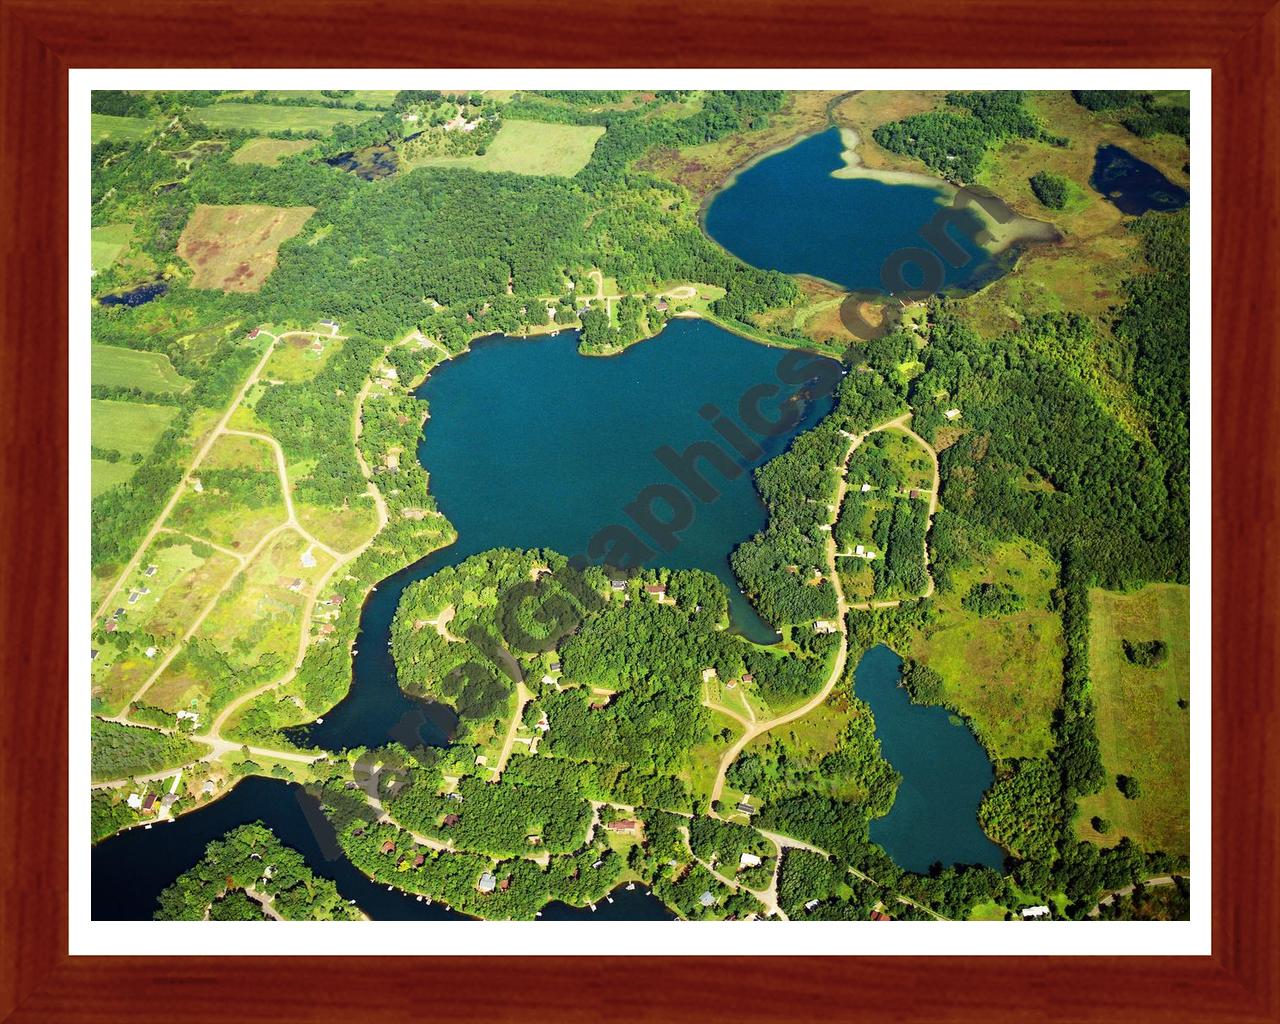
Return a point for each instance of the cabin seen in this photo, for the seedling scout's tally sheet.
(952, 414)
(880, 915)
(745, 807)
(661, 306)
(914, 493)
(555, 666)
(822, 626)
(622, 825)
(618, 584)
(747, 677)
(706, 899)
(207, 788)
(504, 885)
(450, 820)
(1031, 913)
(389, 846)
(864, 488)
(419, 860)
(656, 589)
(254, 333)
(811, 904)
(111, 626)
(327, 628)
(149, 803)
(336, 600)
(598, 705)
(487, 882)
(749, 860)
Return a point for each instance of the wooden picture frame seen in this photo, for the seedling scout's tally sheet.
(41, 39)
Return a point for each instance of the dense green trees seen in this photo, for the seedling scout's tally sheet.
(1143, 113)
(1051, 189)
(1023, 810)
(992, 599)
(1146, 653)
(118, 751)
(953, 143)
(250, 859)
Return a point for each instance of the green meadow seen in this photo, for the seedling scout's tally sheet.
(128, 368)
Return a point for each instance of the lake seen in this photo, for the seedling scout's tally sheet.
(944, 770)
(530, 444)
(787, 212)
(1132, 185)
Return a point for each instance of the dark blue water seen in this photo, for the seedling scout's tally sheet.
(131, 869)
(638, 904)
(944, 770)
(787, 213)
(1132, 185)
(136, 296)
(530, 444)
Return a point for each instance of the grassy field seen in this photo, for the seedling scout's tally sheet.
(267, 117)
(108, 126)
(269, 151)
(1004, 673)
(126, 367)
(234, 518)
(107, 243)
(128, 427)
(184, 581)
(300, 357)
(529, 147)
(104, 475)
(234, 247)
(1141, 729)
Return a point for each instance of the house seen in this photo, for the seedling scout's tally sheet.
(150, 652)
(618, 584)
(389, 846)
(134, 801)
(149, 803)
(706, 899)
(111, 626)
(296, 585)
(543, 724)
(555, 666)
(708, 674)
(599, 705)
(329, 323)
(504, 885)
(487, 882)
(822, 626)
(598, 864)
(859, 551)
(133, 597)
(450, 820)
(118, 612)
(914, 493)
(811, 904)
(745, 807)
(747, 677)
(207, 788)
(151, 570)
(661, 306)
(196, 485)
(1034, 912)
(93, 653)
(327, 628)
(622, 825)
(254, 333)
(880, 915)
(864, 488)
(533, 839)
(308, 559)
(419, 860)
(951, 414)
(193, 715)
(168, 800)
(336, 599)
(749, 860)
(656, 589)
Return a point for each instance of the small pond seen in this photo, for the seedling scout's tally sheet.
(369, 164)
(1132, 185)
(944, 771)
(136, 296)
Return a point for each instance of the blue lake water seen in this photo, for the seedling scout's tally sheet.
(530, 445)
(944, 770)
(1132, 185)
(788, 213)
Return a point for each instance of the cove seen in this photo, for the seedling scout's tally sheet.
(789, 213)
(530, 444)
(944, 771)
(132, 868)
(1134, 187)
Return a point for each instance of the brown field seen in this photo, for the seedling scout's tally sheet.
(234, 247)
(269, 151)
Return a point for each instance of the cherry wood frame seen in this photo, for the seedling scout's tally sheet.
(41, 39)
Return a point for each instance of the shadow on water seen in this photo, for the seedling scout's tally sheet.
(1133, 186)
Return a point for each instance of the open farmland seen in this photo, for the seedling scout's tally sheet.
(107, 243)
(128, 129)
(269, 151)
(267, 117)
(529, 147)
(234, 247)
(1142, 731)
(128, 427)
(128, 368)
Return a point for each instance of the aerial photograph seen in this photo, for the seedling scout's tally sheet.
(620, 505)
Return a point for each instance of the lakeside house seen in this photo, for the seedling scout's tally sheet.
(656, 589)
(706, 899)
(487, 882)
(618, 584)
